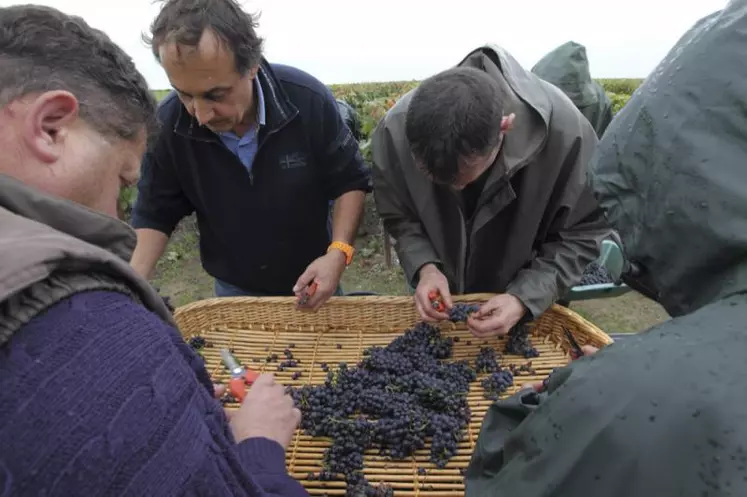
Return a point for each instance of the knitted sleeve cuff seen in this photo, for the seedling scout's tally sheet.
(262, 455)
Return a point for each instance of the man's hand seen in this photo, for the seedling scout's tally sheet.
(497, 316)
(326, 271)
(267, 411)
(589, 349)
(432, 280)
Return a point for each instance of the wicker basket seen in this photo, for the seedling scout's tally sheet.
(257, 327)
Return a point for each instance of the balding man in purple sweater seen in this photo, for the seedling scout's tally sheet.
(99, 394)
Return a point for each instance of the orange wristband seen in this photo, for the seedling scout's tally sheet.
(346, 249)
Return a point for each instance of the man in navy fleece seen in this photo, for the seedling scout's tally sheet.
(99, 395)
(258, 151)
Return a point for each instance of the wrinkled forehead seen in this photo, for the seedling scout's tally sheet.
(199, 69)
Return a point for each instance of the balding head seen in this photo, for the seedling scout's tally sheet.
(211, 53)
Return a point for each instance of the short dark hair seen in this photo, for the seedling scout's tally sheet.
(184, 22)
(453, 115)
(43, 49)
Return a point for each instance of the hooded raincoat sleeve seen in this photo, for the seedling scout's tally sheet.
(393, 201)
(577, 224)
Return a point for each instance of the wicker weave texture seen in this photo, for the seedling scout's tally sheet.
(256, 328)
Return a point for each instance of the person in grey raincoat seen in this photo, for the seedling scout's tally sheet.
(662, 413)
(480, 176)
(567, 67)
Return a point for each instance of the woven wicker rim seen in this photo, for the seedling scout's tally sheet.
(293, 317)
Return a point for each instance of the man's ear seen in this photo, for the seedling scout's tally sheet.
(48, 123)
(253, 72)
(507, 122)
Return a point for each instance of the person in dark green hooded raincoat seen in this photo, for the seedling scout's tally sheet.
(567, 67)
(662, 413)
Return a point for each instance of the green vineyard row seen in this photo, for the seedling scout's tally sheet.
(372, 100)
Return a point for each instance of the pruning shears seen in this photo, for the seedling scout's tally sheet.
(576, 351)
(308, 293)
(437, 301)
(240, 376)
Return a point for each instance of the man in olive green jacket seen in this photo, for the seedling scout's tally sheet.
(480, 176)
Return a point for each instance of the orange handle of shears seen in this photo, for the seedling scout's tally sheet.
(312, 288)
(237, 386)
(437, 301)
(310, 291)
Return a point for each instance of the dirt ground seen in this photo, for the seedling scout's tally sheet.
(180, 275)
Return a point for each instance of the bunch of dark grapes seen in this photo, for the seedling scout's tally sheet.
(394, 400)
(486, 361)
(594, 274)
(523, 370)
(497, 383)
(197, 342)
(460, 312)
(518, 342)
(363, 489)
(289, 361)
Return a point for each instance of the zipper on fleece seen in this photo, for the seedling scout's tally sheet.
(259, 147)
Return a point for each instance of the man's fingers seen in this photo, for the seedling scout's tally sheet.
(265, 379)
(296, 415)
(480, 326)
(434, 315)
(423, 306)
(304, 280)
(428, 316)
(321, 295)
(485, 310)
(319, 299)
(317, 294)
(431, 316)
(427, 313)
(536, 386)
(589, 350)
(218, 390)
(446, 297)
(483, 328)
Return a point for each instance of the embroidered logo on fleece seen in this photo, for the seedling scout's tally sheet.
(294, 160)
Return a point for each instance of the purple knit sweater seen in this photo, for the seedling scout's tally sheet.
(100, 397)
